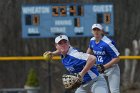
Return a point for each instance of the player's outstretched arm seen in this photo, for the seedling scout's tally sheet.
(113, 61)
(89, 64)
(56, 52)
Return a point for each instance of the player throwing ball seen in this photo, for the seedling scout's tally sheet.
(107, 57)
(83, 75)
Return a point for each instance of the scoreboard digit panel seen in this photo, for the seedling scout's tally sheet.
(74, 20)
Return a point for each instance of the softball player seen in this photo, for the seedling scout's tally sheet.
(82, 63)
(106, 54)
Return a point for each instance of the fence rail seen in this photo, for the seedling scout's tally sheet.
(20, 58)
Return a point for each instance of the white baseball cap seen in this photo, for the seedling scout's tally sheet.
(97, 26)
(61, 37)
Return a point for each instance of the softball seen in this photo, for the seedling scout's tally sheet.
(47, 57)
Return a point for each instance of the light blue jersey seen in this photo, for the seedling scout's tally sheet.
(75, 61)
(104, 51)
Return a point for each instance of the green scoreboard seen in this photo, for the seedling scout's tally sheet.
(74, 20)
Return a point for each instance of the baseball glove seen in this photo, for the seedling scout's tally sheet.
(100, 68)
(71, 81)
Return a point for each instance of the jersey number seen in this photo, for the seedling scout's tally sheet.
(99, 59)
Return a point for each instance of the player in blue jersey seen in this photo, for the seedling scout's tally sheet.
(82, 63)
(107, 55)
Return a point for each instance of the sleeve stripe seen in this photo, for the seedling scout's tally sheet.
(114, 49)
(108, 41)
(79, 55)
